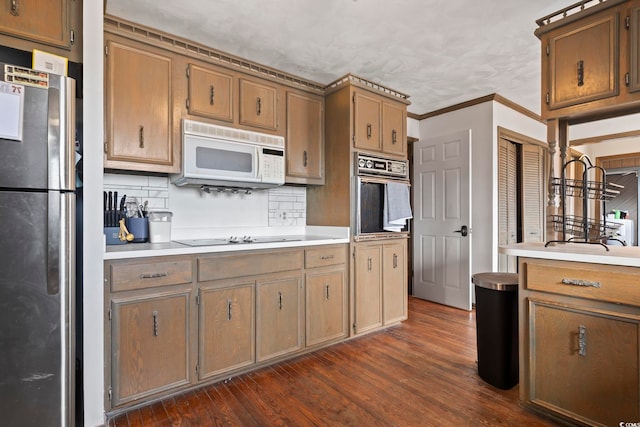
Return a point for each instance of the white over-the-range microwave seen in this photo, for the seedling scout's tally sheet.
(220, 156)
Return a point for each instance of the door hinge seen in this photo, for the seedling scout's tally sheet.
(197, 299)
(627, 22)
(548, 50)
(354, 328)
(197, 368)
(546, 98)
(110, 393)
(353, 138)
(105, 147)
(627, 79)
(72, 36)
(106, 50)
(353, 98)
(109, 314)
(353, 254)
(187, 103)
(188, 72)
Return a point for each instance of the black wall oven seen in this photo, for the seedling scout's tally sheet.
(373, 173)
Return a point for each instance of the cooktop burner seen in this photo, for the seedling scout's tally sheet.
(233, 240)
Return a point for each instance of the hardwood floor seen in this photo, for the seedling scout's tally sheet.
(420, 373)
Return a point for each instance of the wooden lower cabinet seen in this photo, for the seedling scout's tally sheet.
(149, 344)
(279, 316)
(380, 284)
(579, 352)
(394, 282)
(367, 287)
(226, 332)
(326, 306)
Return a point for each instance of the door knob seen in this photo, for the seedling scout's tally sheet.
(463, 230)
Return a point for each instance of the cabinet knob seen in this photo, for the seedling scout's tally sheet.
(15, 10)
(155, 323)
(141, 137)
(580, 67)
(582, 340)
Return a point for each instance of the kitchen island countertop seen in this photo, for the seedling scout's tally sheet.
(579, 252)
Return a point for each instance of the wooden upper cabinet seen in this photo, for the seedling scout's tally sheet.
(139, 108)
(583, 60)
(367, 111)
(394, 124)
(305, 138)
(634, 23)
(43, 21)
(258, 104)
(210, 93)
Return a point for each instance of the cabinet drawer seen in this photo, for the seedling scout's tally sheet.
(226, 266)
(600, 282)
(129, 276)
(321, 256)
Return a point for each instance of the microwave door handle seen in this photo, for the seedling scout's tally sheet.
(256, 163)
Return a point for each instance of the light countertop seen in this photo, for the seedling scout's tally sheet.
(141, 250)
(596, 254)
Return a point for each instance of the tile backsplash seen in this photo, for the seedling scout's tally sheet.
(287, 206)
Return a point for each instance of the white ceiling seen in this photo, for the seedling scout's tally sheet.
(440, 52)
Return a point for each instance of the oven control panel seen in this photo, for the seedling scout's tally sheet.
(371, 165)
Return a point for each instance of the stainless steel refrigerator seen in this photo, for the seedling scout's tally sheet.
(37, 256)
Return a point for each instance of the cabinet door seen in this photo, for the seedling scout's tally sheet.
(394, 282)
(394, 120)
(210, 93)
(226, 329)
(634, 78)
(150, 350)
(366, 126)
(368, 287)
(305, 141)
(43, 21)
(258, 105)
(326, 306)
(584, 60)
(139, 113)
(584, 364)
(279, 310)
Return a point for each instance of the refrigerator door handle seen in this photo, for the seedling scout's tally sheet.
(61, 134)
(54, 247)
(60, 241)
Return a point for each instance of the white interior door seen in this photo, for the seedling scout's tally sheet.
(442, 221)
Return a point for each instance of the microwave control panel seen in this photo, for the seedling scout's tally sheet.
(371, 165)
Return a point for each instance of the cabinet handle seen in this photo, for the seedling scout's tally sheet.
(154, 275)
(582, 340)
(15, 11)
(326, 290)
(304, 158)
(369, 264)
(580, 73)
(212, 95)
(395, 260)
(280, 300)
(368, 130)
(258, 106)
(578, 282)
(155, 323)
(394, 136)
(229, 309)
(141, 137)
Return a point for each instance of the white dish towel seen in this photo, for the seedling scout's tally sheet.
(397, 208)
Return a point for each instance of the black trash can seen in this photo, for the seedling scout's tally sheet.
(497, 328)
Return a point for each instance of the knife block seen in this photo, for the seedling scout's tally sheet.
(111, 235)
